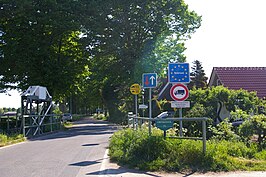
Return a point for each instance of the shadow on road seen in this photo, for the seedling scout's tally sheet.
(121, 171)
(84, 163)
(83, 127)
(89, 145)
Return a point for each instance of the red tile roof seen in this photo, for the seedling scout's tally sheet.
(248, 78)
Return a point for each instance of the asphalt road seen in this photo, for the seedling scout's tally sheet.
(73, 153)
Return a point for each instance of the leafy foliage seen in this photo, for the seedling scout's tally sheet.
(224, 131)
(137, 149)
(210, 98)
(78, 48)
(256, 125)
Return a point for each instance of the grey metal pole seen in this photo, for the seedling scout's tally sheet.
(204, 136)
(150, 113)
(136, 110)
(180, 123)
(22, 117)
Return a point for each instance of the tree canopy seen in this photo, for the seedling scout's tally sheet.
(94, 47)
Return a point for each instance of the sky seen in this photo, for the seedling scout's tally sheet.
(232, 33)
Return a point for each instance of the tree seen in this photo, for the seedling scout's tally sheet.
(128, 32)
(198, 76)
(68, 45)
(41, 45)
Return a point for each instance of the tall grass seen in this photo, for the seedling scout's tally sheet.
(138, 150)
(7, 140)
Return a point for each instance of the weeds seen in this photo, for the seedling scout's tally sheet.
(138, 150)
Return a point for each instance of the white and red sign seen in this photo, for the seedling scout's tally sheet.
(179, 92)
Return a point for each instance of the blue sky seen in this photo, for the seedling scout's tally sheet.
(233, 33)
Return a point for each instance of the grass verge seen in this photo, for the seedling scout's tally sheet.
(137, 150)
(8, 140)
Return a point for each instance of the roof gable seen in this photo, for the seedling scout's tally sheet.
(248, 78)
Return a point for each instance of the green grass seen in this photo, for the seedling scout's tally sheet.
(100, 117)
(7, 140)
(137, 150)
(67, 125)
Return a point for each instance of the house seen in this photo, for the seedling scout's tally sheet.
(247, 78)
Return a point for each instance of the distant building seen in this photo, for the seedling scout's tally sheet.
(247, 78)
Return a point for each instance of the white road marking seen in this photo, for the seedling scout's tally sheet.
(104, 171)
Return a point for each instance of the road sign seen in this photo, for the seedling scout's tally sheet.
(143, 106)
(149, 80)
(135, 89)
(179, 92)
(178, 73)
(180, 104)
(164, 124)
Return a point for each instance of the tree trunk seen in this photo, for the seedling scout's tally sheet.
(112, 103)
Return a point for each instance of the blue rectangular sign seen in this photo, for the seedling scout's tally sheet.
(149, 80)
(178, 73)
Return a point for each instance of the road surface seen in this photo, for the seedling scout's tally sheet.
(73, 153)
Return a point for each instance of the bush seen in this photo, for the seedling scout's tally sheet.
(3, 139)
(138, 150)
(255, 125)
(6, 140)
(99, 116)
(223, 131)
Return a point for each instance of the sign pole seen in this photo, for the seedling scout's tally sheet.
(136, 111)
(150, 113)
(180, 123)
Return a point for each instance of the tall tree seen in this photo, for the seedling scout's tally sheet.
(127, 31)
(41, 45)
(197, 76)
(101, 46)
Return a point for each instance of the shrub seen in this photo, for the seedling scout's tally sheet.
(223, 131)
(255, 125)
(3, 139)
(137, 149)
(99, 116)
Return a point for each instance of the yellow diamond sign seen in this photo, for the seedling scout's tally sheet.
(135, 89)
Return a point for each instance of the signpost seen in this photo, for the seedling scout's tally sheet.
(180, 104)
(143, 106)
(135, 90)
(149, 80)
(164, 125)
(179, 92)
(178, 73)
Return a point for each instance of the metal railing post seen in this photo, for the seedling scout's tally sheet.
(204, 136)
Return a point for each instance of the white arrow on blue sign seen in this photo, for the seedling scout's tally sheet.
(178, 73)
(149, 80)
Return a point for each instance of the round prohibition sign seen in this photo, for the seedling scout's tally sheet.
(179, 92)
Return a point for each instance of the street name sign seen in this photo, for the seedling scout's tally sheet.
(179, 92)
(149, 80)
(143, 106)
(180, 104)
(164, 124)
(178, 73)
